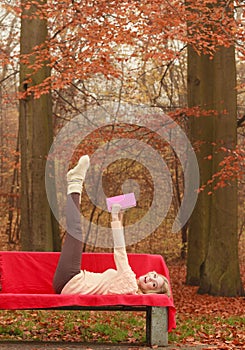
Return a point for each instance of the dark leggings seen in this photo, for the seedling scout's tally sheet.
(69, 263)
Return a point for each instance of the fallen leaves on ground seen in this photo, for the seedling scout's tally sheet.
(217, 321)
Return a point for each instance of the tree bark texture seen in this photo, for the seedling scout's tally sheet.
(35, 138)
(213, 262)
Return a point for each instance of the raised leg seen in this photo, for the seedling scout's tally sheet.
(69, 263)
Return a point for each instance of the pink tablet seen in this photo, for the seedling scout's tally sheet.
(125, 200)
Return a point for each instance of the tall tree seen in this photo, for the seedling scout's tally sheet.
(37, 224)
(213, 235)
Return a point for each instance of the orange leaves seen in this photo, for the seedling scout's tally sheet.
(4, 59)
(94, 29)
(84, 40)
(231, 168)
(218, 25)
(204, 319)
(196, 112)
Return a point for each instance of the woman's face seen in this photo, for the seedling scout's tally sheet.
(150, 282)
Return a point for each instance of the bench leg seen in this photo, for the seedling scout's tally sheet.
(157, 326)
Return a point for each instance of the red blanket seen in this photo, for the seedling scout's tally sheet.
(26, 282)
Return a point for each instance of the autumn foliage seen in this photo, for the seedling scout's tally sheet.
(94, 37)
(126, 51)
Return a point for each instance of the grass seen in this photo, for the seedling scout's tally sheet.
(78, 326)
(115, 327)
(209, 329)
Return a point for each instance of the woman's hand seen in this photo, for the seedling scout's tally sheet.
(117, 213)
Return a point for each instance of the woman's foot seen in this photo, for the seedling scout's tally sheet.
(76, 175)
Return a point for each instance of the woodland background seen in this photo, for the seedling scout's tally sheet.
(59, 59)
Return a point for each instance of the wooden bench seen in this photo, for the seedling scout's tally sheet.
(26, 283)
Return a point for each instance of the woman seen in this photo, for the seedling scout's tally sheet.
(69, 279)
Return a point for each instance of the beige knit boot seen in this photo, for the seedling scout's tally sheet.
(76, 175)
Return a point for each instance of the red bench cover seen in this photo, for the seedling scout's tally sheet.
(26, 282)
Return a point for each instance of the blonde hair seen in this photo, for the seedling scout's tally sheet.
(165, 289)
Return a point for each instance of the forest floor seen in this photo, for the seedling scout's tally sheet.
(60, 346)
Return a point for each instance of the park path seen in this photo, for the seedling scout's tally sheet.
(61, 346)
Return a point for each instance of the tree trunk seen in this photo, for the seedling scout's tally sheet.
(213, 238)
(37, 222)
(201, 134)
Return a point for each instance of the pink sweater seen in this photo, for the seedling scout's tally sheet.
(119, 281)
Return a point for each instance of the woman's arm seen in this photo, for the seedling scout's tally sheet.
(120, 254)
(117, 226)
(118, 234)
